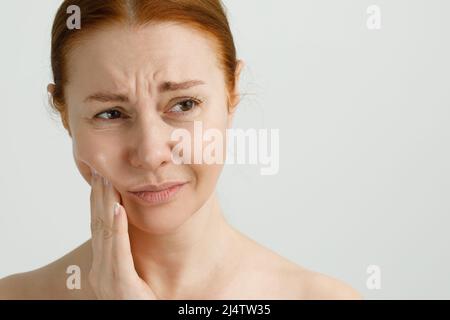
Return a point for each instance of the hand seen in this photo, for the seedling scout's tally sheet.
(112, 275)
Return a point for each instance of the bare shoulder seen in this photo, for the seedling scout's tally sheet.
(50, 281)
(19, 285)
(288, 280)
(306, 284)
(319, 286)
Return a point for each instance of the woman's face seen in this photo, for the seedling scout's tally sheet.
(121, 114)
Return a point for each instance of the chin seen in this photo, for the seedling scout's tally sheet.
(160, 219)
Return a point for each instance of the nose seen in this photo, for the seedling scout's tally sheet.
(150, 143)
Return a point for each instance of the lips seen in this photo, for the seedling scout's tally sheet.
(154, 188)
(159, 194)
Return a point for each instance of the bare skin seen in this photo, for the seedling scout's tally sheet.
(244, 269)
(183, 249)
(261, 274)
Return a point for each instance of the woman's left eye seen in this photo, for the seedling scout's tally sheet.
(185, 106)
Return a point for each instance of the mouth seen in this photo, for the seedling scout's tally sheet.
(152, 194)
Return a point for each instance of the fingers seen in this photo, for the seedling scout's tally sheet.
(103, 197)
(108, 197)
(97, 223)
(96, 205)
(113, 272)
(122, 259)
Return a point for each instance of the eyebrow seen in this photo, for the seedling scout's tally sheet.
(164, 87)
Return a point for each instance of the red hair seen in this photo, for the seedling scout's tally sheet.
(207, 16)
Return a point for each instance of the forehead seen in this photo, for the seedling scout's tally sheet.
(119, 54)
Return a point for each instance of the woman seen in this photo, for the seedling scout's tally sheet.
(135, 72)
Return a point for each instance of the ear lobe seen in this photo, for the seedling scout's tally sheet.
(51, 88)
(239, 66)
(51, 91)
(63, 113)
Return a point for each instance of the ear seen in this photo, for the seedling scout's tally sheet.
(236, 93)
(63, 113)
(51, 89)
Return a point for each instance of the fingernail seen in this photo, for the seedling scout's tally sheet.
(94, 173)
(116, 208)
(105, 181)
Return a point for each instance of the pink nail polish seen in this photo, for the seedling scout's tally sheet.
(116, 208)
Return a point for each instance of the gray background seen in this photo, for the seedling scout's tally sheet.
(364, 134)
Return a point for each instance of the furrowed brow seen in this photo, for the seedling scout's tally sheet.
(174, 86)
(107, 97)
(164, 87)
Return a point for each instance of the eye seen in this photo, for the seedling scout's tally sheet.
(186, 106)
(109, 114)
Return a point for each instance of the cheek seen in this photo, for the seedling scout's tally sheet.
(207, 176)
(93, 152)
(208, 171)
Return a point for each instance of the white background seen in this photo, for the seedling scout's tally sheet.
(364, 141)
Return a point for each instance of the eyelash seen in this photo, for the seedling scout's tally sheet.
(197, 102)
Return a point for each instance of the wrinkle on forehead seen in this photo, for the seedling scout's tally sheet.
(118, 56)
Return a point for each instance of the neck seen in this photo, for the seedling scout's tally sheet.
(183, 261)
